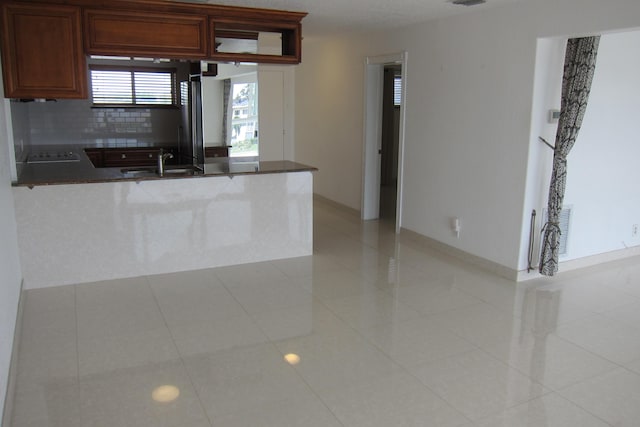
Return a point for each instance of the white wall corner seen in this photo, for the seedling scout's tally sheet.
(483, 263)
(13, 365)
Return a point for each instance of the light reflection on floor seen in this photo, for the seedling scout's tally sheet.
(369, 331)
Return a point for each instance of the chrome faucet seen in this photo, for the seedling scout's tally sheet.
(162, 157)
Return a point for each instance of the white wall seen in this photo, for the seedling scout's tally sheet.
(271, 114)
(329, 115)
(603, 171)
(546, 96)
(212, 111)
(602, 167)
(276, 104)
(469, 96)
(10, 272)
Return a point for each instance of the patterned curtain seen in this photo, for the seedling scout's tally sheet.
(579, 67)
(225, 109)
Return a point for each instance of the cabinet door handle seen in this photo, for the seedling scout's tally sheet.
(150, 155)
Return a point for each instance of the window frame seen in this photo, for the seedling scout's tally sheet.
(132, 69)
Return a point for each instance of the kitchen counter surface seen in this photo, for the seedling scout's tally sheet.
(82, 170)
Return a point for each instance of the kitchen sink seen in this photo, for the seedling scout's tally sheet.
(139, 171)
(181, 171)
(149, 171)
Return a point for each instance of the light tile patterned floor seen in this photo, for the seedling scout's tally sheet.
(388, 333)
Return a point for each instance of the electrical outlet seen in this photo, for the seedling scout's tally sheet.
(634, 230)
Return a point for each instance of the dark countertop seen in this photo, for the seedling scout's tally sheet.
(83, 171)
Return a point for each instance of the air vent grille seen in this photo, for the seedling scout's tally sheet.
(468, 2)
(564, 223)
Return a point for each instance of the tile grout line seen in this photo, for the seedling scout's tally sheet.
(275, 347)
(357, 332)
(175, 345)
(396, 364)
(581, 407)
(77, 342)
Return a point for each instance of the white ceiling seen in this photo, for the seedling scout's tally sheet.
(327, 16)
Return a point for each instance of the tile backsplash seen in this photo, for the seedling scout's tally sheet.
(73, 122)
(120, 121)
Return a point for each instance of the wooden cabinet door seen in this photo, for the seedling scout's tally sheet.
(216, 151)
(130, 33)
(96, 157)
(42, 51)
(130, 157)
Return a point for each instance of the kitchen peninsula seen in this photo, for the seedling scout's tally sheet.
(100, 223)
(80, 221)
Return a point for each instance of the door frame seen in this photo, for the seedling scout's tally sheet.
(373, 81)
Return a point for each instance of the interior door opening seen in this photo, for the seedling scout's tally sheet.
(383, 155)
(389, 147)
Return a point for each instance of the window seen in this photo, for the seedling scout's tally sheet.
(133, 86)
(244, 122)
(397, 91)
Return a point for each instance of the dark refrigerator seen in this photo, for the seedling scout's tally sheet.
(190, 144)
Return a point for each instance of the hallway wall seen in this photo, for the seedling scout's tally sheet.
(470, 89)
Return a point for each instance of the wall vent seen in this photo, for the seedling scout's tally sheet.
(565, 222)
(468, 2)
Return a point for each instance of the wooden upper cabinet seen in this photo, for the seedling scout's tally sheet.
(130, 33)
(255, 35)
(238, 40)
(44, 43)
(42, 53)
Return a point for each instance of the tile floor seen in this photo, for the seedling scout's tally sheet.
(387, 333)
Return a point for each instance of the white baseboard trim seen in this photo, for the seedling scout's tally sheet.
(584, 262)
(491, 266)
(13, 364)
(475, 260)
(336, 205)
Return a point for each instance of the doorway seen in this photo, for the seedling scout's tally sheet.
(391, 102)
(385, 88)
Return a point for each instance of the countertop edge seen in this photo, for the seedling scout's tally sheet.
(83, 171)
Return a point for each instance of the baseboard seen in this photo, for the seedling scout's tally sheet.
(584, 262)
(491, 266)
(475, 260)
(480, 262)
(13, 364)
(339, 206)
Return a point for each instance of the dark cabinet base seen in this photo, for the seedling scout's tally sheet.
(216, 151)
(126, 157)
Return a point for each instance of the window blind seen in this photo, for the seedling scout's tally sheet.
(111, 87)
(397, 90)
(153, 88)
(131, 87)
